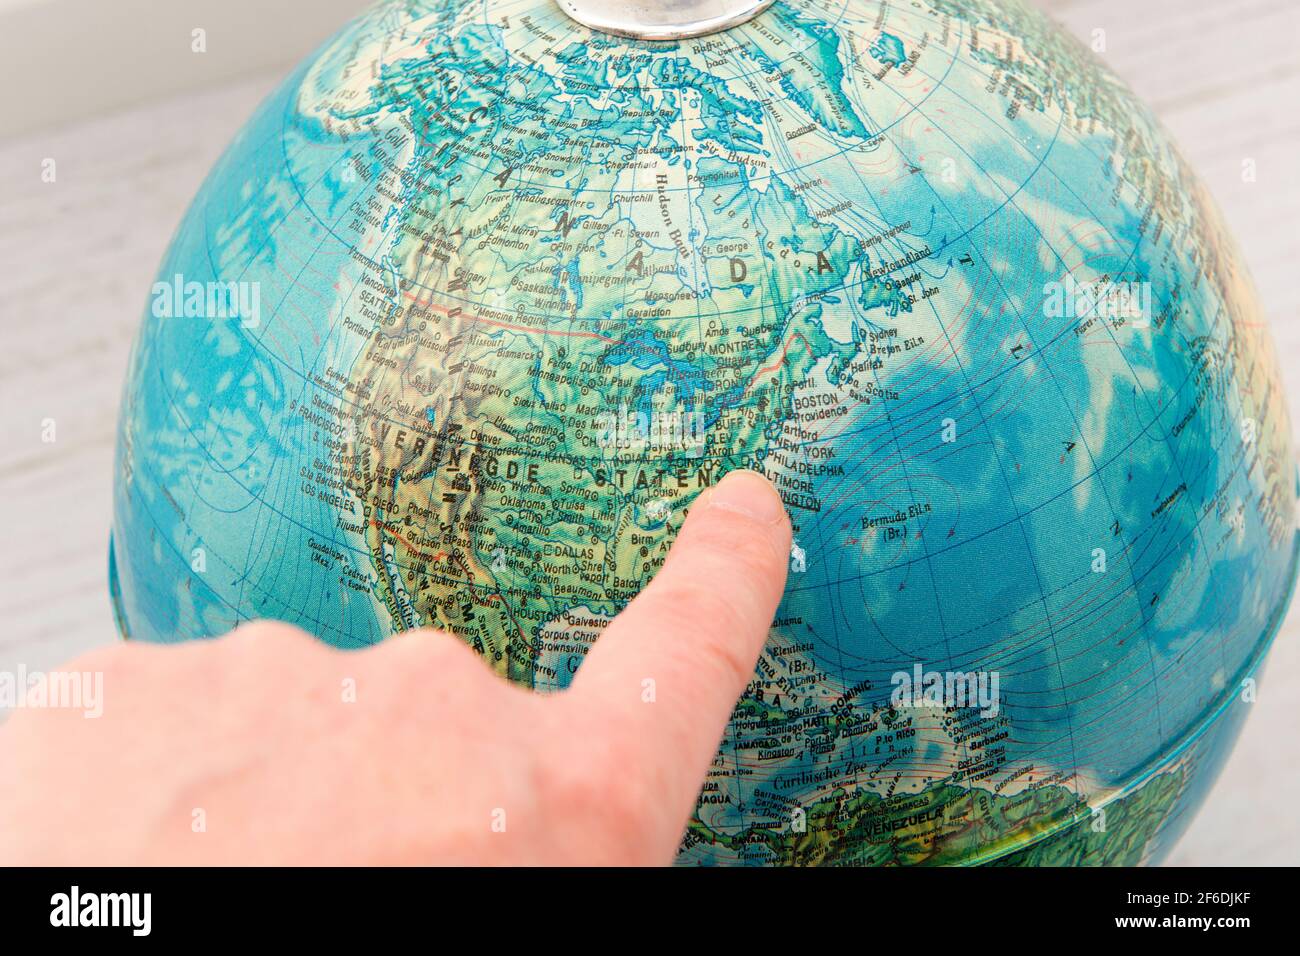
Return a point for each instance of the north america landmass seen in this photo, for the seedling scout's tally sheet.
(554, 227)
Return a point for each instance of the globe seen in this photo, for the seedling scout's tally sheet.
(487, 293)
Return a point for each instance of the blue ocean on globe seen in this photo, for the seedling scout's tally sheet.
(480, 300)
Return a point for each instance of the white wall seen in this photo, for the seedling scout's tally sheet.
(65, 60)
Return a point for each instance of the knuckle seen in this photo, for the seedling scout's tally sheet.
(274, 636)
(430, 671)
(724, 657)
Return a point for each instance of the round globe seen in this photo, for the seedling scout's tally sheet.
(482, 298)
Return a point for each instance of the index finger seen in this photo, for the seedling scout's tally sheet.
(667, 672)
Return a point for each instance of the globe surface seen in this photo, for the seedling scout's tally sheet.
(480, 300)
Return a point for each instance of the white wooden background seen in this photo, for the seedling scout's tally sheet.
(78, 256)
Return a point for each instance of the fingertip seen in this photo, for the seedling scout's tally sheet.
(693, 636)
(750, 493)
(743, 507)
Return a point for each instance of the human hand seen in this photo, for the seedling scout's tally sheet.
(436, 761)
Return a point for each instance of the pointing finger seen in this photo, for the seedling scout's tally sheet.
(667, 672)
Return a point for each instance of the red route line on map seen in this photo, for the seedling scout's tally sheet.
(509, 325)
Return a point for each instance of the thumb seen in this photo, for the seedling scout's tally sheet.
(667, 672)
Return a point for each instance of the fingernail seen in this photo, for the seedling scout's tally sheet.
(749, 493)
